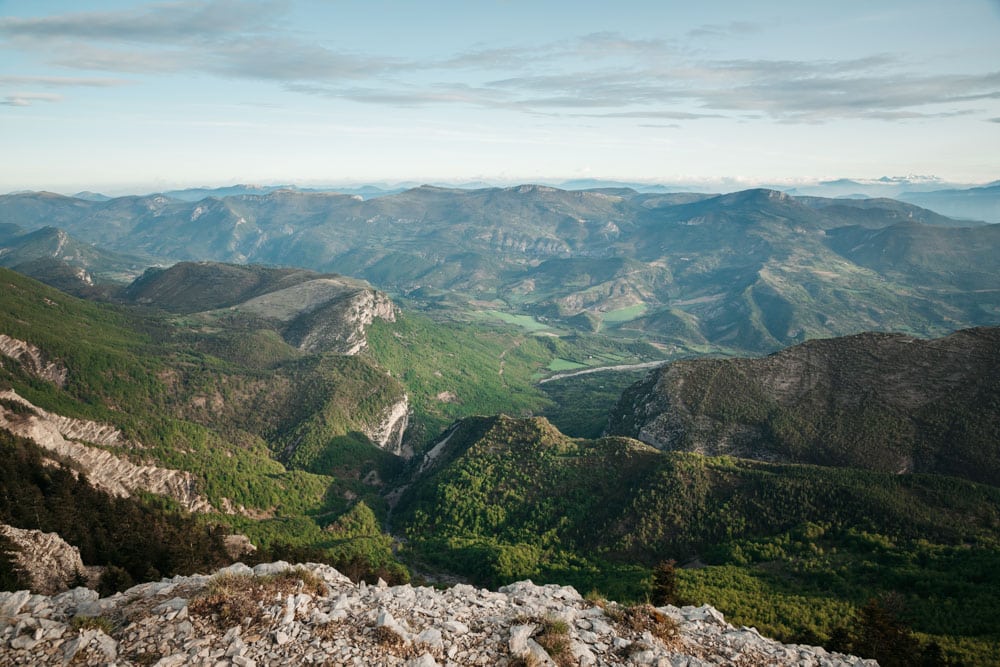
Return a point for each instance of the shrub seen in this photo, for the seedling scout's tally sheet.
(665, 584)
(642, 617)
(101, 623)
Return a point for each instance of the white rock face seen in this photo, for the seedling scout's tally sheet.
(161, 623)
(388, 432)
(104, 470)
(31, 358)
(344, 328)
(325, 314)
(49, 563)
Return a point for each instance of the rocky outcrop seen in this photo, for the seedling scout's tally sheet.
(49, 564)
(32, 360)
(315, 615)
(324, 314)
(388, 432)
(82, 430)
(104, 470)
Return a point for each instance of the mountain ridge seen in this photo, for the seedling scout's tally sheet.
(750, 271)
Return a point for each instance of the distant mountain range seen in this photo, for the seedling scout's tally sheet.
(751, 270)
(968, 203)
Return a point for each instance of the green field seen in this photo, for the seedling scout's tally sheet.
(526, 322)
(625, 314)
(561, 364)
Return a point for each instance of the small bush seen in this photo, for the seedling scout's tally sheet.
(557, 646)
(642, 617)
(665, 584)
(114, 579)
(387, 637)
(146, 658)
(101, 623)
(555, 626)
(328, 630)
(552, 634)
(312, 583)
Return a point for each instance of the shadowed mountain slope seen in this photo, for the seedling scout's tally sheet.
(881, 401)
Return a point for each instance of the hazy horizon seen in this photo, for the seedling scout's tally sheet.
(720, 185)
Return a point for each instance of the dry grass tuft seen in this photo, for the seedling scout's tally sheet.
(642, 617)
(232, 599)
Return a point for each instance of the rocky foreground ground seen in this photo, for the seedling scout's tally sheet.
(278, 614)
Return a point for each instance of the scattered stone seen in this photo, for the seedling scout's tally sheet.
(401, 626)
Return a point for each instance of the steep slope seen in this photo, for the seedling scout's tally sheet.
(954, 260)
(50, 253)
(64, 440)
(251, 426)
(879, 401)
(788, 547)
(62, 530)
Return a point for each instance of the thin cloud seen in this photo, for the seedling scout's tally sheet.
(603, 74)
(27, 99)
(652, 115)
(720, 30)
(62, 81)
(169, 22)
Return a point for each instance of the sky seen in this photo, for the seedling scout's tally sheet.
(125, 96)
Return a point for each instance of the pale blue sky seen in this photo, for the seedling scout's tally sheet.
(123, 95)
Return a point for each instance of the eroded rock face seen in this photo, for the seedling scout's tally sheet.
(45, 559)
(104, 470)
(32, 360)
(168, 623)
(388, 432)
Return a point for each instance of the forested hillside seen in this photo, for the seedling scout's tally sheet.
(795, 550)
(884, 402)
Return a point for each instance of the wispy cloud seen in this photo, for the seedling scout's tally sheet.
(722, 30)
(166, 22)
(61, 81)
(27, 99)
(601, 74)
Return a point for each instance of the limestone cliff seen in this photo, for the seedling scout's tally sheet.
(388, 431)
(323, 315)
